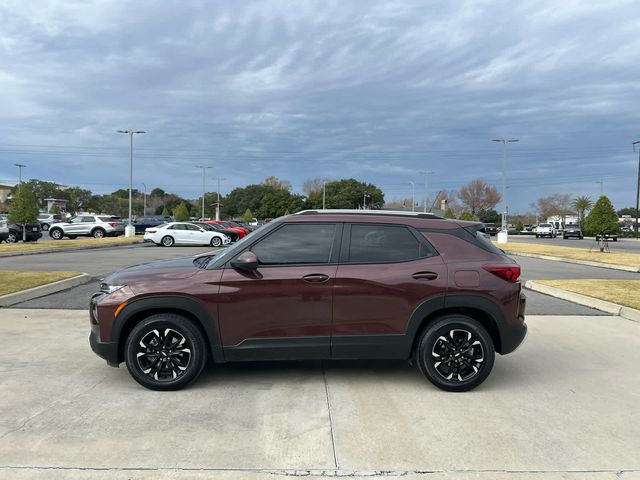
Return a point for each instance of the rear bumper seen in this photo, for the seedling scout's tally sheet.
(512, 335)
(106, 350)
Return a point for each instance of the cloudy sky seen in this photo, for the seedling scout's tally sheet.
(376, 90)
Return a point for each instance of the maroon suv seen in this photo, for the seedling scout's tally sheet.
(320, 285)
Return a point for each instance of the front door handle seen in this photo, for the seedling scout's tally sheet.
(425, 275)
(316, 278)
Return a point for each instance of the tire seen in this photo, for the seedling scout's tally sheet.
(13, 237)
(537, 236)
(216, 242)
(56, 234)
(45, 227)
(452, 333)
(167, 241)
(98, 233)
(564, 238)
(165, 352)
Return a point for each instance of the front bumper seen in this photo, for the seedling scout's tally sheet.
(106, 350)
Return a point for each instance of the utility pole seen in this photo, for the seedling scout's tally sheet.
(204, 169)
(505, 208)
(218, 202)
(144, 201)
(130, 230)
(637, 189)
(426, 188)
(413, 196)
(324, 194)
(20, 167)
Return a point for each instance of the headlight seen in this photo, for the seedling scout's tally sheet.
(106, 288)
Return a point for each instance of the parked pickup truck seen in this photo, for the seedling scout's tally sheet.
(546, 230)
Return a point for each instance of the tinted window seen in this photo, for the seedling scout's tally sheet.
(296, 244)
(191, 227)
(383, 243)
(88, 220)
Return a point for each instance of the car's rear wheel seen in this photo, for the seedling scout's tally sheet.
(98, 233)
(56, 233)
(167, 241)
(165, 352)
(455, 353)
(216, 241)
(13, 237)
(45, 226)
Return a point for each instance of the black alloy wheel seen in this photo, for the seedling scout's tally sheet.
(56, 233)
(165, 352)
(455, 353)
(216, 241)
(167, 241)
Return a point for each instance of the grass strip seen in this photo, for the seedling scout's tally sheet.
(614, 258)
(16, 280)
(67, 244)
(622, 292)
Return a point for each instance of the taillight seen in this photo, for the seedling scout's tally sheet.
(508, 272)
(151, 231)
(112, 224)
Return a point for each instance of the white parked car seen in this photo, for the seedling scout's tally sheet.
(184, 233)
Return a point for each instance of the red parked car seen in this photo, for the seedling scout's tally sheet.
(320, 285)
(243, 232)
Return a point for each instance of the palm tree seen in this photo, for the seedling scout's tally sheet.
(582, 204)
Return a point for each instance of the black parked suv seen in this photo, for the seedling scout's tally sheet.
(34, 232)
(319, 285)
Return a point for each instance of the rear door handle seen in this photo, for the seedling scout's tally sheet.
(425, 275)
(316, 278)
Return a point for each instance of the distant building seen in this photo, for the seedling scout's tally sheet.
(5, 189)
(559, 221)
(59, 202)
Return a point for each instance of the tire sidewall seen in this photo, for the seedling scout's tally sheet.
(430, 336)
(187, 329)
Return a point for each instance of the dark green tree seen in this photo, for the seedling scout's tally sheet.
(449, 213)
(602, 218)
(489, 216)
(628, 211)
(248, 215)
(348, 193)
(165, 212)
(24, 208)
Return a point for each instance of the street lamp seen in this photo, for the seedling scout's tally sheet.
(20, 167)
(144, 201)
(324, 194)
(413, 196)
(218, 202)
(637, 188)
(364, 200)
(426, 188)
(601, 182)
(204, 169)
(130, 230)
(505, 142)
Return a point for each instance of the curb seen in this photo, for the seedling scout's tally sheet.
(602, 305)
(578, 262)
(42, 290)
(70, 249)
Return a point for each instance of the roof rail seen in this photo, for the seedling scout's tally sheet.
(393, 213)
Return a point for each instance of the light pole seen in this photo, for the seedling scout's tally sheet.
(20, 167)
(130, 230)
(637, 188)
(413, 196)
(324, 194)
(204, 169)
(505, 142)
(218, 202)
(601, 182)
(364, 200)
(426, 188)
(144, 201)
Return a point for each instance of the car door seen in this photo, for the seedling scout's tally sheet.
(386, 271)
(180, 233)
(283, 309)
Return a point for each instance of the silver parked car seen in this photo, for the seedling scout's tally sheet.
(96, 226)
(48, 219)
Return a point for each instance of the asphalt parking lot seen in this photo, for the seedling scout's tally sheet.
(564, 405)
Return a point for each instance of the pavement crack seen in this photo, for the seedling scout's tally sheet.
(333, 436)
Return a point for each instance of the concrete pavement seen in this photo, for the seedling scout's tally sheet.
(565, 405)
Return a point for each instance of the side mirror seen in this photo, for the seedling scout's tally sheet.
(246, 261)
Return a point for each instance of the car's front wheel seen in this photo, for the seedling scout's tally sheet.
(455, 353)
(165, 352)
(45, 227)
